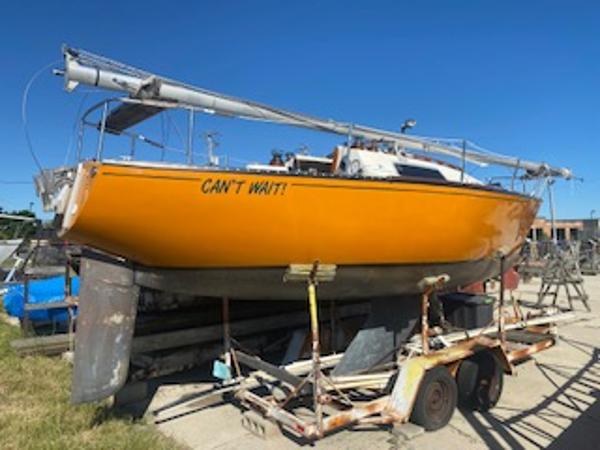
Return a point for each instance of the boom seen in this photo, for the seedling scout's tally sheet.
(87, 68)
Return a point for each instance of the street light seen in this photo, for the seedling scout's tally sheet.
(408, 123)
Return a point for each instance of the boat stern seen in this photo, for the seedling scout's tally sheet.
(63, 190)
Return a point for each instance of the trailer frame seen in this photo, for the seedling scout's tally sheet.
(303, 399)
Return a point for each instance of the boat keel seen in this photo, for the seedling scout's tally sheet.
(390, 323)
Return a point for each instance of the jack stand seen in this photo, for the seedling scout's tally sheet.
(590, 259)
(501, 330)
(428, 286)
(222, 370)
(563, 270)
(332, 327)
(312, 275)
(226, 331)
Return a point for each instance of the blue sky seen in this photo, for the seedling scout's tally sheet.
(520, 78)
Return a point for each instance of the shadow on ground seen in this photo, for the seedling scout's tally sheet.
(569, 418)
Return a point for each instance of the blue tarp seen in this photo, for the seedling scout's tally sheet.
(48, 290)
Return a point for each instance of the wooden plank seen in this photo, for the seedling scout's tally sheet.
(44, 271)
(276, 372)
(56, 344)
(193, 336)
(540, 320)
(527, 337)
(48, 306)
(46, 345)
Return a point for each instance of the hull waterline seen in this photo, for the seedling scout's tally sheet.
(350, 283)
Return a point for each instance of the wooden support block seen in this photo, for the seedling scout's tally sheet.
(44, 345)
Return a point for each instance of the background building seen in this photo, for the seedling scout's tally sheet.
(566, 229)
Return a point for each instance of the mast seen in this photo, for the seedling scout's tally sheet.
(87, 68)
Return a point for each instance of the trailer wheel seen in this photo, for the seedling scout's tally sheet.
(436, 399)
(480, 380)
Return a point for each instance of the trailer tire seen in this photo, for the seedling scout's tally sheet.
(436, 399)
(480, 380)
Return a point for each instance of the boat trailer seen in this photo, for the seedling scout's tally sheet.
(431, 373)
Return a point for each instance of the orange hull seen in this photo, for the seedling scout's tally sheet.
(177, 217)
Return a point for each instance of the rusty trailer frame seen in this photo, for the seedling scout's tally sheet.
(392, 391)
(391, 407)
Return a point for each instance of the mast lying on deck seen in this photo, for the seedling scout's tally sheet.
(87, 68)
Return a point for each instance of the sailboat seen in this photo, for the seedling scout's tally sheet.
(386, 208)
(375, 206)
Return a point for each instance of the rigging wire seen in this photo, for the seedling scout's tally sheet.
(77, 121)
(175, 127)
(24, 111)
(162, 136)
(74, 130)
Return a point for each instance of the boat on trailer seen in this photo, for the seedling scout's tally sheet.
(377, 208)
(384, 215)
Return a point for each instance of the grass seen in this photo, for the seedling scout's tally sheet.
(35, 412)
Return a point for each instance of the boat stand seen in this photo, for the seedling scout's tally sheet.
(315, 380)
(305, 399)
(590, 259)
(563, 271)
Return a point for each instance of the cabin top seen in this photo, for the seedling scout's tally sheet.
(358, 161)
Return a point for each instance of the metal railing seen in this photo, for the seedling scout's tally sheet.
(104, 107)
